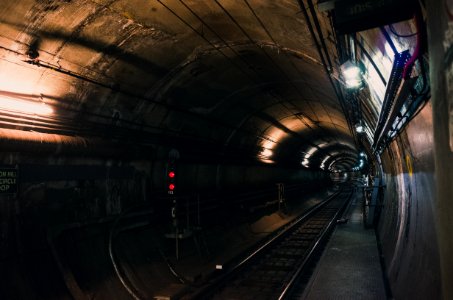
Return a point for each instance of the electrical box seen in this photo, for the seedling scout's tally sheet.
(357, 15)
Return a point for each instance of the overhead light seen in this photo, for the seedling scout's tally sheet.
(266, 153)
(353, 83)
(359, 128)
(362, 154)
(350, 71)
(25, 106)
(352, 75)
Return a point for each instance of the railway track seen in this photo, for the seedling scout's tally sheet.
(274, 269)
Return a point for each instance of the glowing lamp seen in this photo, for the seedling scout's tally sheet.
(359, 128)
(171, 187)
(353, 83)
(266, 152)
(352, 75)
(171, 174)
(25, 106)
(351, 71)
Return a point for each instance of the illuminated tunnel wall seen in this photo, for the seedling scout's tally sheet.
(406, 226)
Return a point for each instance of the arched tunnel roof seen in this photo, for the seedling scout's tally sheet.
(233, 78)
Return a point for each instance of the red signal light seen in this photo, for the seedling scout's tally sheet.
(171, 186)
(171, 174)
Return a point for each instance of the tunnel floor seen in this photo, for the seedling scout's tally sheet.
(224, 245)
(349, 267)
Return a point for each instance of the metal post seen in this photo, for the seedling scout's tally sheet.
(198, 210)
(175, 225)
(281, 192)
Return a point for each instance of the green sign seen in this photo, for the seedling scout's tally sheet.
(8, 180)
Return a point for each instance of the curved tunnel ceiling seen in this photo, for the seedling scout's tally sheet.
(232, 77)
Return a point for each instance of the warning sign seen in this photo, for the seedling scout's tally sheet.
(8, 180)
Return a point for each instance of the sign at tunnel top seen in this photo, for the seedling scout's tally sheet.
(8, 180)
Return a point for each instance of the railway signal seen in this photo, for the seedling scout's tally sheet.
(171, 179)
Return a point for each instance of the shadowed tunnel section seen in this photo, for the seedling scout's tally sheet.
(243, 100)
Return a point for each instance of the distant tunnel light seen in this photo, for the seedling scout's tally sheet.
(323, 163)
(266, 153)
(25, 106)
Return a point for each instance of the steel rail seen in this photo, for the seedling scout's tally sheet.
(293, 281)
(216, 283)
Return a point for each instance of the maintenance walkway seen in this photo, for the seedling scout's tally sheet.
(350, 267)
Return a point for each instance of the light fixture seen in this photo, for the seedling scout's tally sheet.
(266, 152)
(359, 128)
(352, 75)
(24, 106)
(323, 163)
(265, 155)
(351, 71)
(353, 83)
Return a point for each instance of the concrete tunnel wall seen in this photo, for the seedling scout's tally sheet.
(415, 224)
(440, 42)
(406, 227)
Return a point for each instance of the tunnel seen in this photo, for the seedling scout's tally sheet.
(146, 144)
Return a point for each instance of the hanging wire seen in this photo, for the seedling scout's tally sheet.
(389, 40)
(51, 128)
(224, 42)
(272, 60)
(247, 35)
(292, 64)
(324, 54)
(393, 30)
